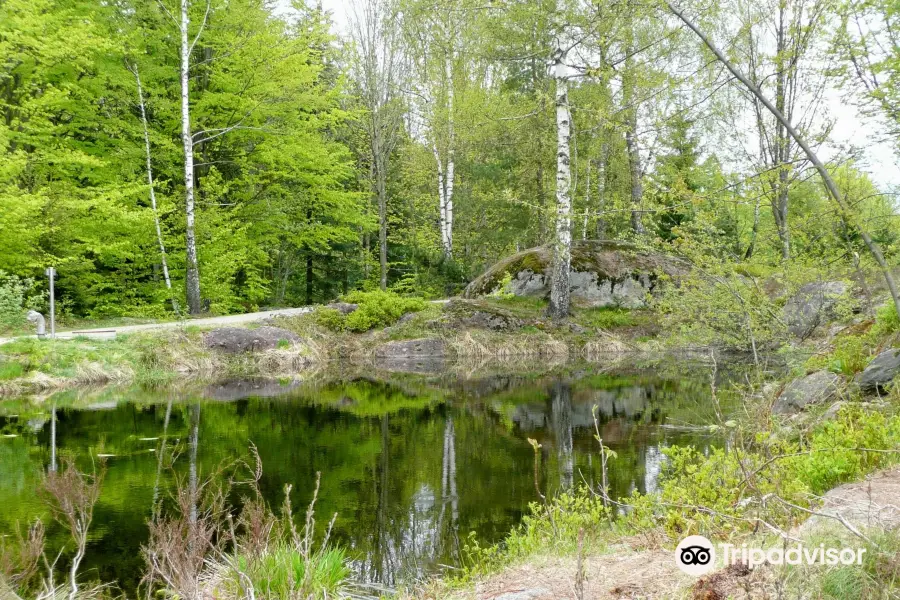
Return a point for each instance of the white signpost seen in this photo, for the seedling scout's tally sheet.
(51, 273)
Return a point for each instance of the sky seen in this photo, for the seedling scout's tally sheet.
(879, 159)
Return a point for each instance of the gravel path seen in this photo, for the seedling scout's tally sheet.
(110, 332)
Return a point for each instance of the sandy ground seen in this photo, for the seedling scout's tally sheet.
(626, 574)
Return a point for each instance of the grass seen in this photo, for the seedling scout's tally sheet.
(607, 318)
(282, 572)
(149, 358)
(11, 370)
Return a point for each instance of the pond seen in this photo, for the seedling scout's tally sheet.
(414, 465)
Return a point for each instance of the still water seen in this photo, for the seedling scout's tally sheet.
(415, 466)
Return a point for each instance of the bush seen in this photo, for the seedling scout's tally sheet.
(710, 308)
(16, 298)
(329, 318)
(378, 309)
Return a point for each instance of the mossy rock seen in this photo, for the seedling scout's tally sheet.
(603, 273)
(465, 314)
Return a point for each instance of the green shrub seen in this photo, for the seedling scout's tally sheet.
(886, 320)
(379, 309)
(329, 318)
(835, 457)
(16, 298)
(721, 308)
(850, 355)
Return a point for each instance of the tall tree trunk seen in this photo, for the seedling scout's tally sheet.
(192, 274)
(159, 237)
(629, 99)
(830, 185)
(782, 141)
(450, 174)
(751, 247)
(381, 194)
(562, 245)
(587, 199)
(442, 196)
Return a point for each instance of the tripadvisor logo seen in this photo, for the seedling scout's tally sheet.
(696, 555)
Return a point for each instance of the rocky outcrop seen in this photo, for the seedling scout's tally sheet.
(881, 371)
(867, 504)
(469, 313)
(603, 273)
(817, 388)
(234, 340)
(412, 349)
(813, 304)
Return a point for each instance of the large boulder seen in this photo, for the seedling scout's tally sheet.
(881, 371)
(603, 273)
(813, 304)
(479, 315)
(817, 388)
(234, 340)
(868, 504)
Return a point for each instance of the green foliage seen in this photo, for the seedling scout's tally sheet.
(551, 528)
(853, 350)
(16, 298)
(282, 572)
(502, 289)
(607, 318)
(11, 370)
(378, 309)
(330, 318)
(720, 307)
(835, 456)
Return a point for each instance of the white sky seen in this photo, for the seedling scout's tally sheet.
(850, 129)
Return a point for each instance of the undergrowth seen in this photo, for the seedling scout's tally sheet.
(754, 483)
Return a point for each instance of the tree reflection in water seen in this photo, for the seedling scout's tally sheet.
(410, 468)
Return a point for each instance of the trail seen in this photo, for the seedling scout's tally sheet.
(242, 319)
(109, 332)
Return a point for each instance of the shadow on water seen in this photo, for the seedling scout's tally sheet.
(413, 464)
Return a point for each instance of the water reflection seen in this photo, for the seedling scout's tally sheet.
(411, 467)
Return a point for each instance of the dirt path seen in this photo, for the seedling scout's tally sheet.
(243, 319)
(111, 332)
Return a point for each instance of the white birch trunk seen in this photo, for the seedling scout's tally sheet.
(451, 159)
(159, 237)
(192, 272)
(442, 197)
(562, 247)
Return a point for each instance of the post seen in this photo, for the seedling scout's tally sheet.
(51, 273)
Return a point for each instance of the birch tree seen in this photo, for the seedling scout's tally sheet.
(192, 270)
(378, 71)
(183, 22)
(562, 245)
(159, 237)
(630, 106)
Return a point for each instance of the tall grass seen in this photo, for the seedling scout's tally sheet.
(281, 572)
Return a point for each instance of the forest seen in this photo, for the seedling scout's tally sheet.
(224, 156)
